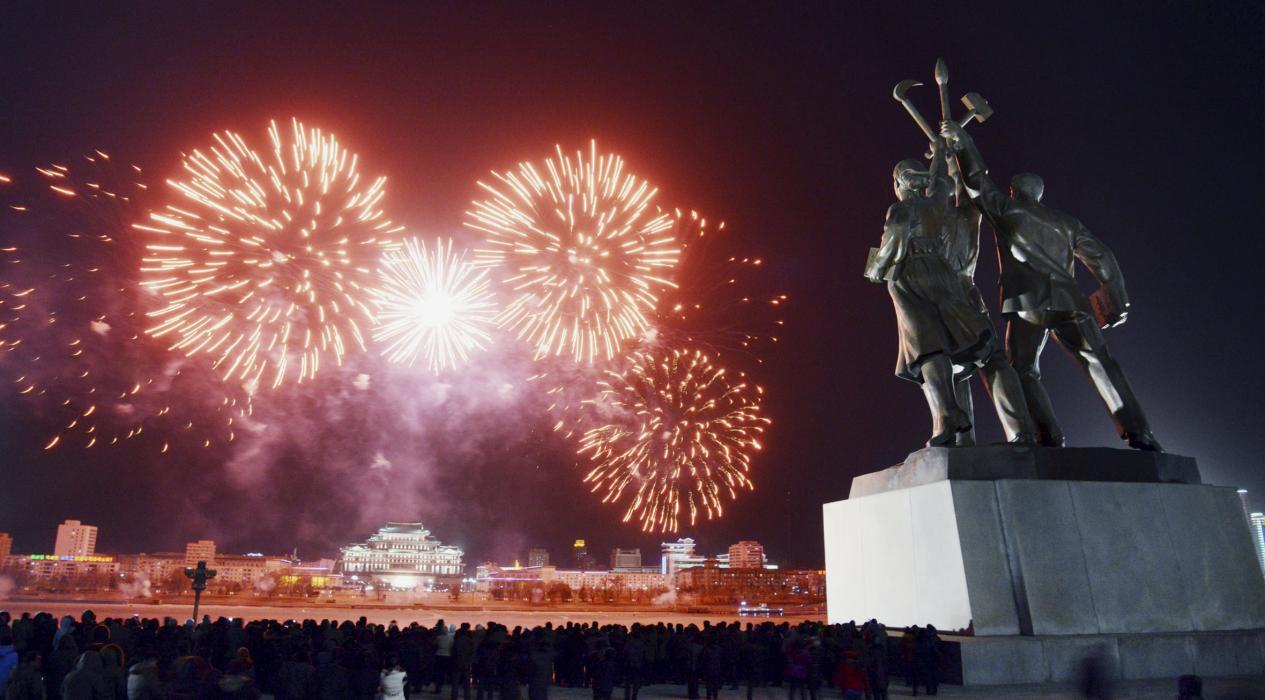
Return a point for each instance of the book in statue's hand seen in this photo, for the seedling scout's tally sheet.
(871, 266)
(1108, 311)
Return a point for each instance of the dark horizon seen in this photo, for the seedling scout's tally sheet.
(1142, 119)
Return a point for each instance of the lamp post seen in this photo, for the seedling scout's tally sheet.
(199, 574)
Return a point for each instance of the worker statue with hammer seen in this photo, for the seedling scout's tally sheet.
(1038, 248)
(927, 259)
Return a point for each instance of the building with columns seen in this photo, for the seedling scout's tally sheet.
(402, 556)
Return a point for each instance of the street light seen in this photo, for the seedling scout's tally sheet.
(199, 574)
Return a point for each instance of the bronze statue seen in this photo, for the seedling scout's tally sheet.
(1037, 250)
(927, 259)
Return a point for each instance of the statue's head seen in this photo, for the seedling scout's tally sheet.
(1027, 187)
(910, 177)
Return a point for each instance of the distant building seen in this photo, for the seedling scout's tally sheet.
(156, 567)
(6, 546)
(74, 539)
(403, 556)
(53, 567)
(247, 570)
(490, 576)
(625, 559)
(678, 555)
(747, 554)
(1258, 537)
(580, 556)
(537, 556)
(202, 550)
(715, 584)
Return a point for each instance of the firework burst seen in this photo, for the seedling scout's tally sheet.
(432, 303)
(263, 264)
(722, 302)
(71, 340)
(679, 435)
(581, 248)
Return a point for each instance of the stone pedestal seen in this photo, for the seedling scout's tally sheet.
(1045, 560)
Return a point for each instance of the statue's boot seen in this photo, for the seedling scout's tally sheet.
(1005, 389)
(962, 391)
(948, 419)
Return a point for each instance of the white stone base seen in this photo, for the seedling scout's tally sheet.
(1028, 559)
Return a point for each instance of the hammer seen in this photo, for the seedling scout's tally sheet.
(979, 108)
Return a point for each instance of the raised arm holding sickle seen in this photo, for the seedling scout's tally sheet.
(1037, 249)
(945, 333)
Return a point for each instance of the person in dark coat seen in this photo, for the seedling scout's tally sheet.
(364, 676)
(330, 680)
(61, 663)
(25, 681)
(462, 660)
(484, 668)
(874, 659)
(633, 661)
(796, 673)
(540, 669)
(927, 660)
(712, 668)
(295, 678)
(751, 658)
(86, 682)
(113, 672)
(604, 673)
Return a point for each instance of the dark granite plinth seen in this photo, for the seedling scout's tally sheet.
(1012, 462)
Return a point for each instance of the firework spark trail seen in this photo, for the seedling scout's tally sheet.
(722, 302)
(684, 436)
(432, 303)
(264, 265)
(582, 250)
(70, 335)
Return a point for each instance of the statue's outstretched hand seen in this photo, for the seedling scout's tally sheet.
(954, 135)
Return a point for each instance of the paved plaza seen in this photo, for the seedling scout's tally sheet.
(1214, 689)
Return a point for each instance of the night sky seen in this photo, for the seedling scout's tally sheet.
(1144, 119)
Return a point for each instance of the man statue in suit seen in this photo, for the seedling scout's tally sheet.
(1037, 248)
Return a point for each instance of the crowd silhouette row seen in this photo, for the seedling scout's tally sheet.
(43, 658)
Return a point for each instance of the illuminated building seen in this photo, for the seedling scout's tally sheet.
(6, 546)
(52, 566)
(678, 555)
(156, 567)
(625, 559)
(1258, 537)
(713, 583)
(402, 556)
(746, 554)
(537, 556)
(491, 575)
(580, 557)
(74, 539)
(247, 569)
(202, 550)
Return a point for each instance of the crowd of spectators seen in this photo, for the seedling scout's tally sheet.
(43, 658)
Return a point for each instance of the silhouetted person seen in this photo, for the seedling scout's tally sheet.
(712, 667)
(25, 682)
(1190, 687)
(604, 673)
(927, 660)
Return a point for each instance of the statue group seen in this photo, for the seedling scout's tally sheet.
(927, 259)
